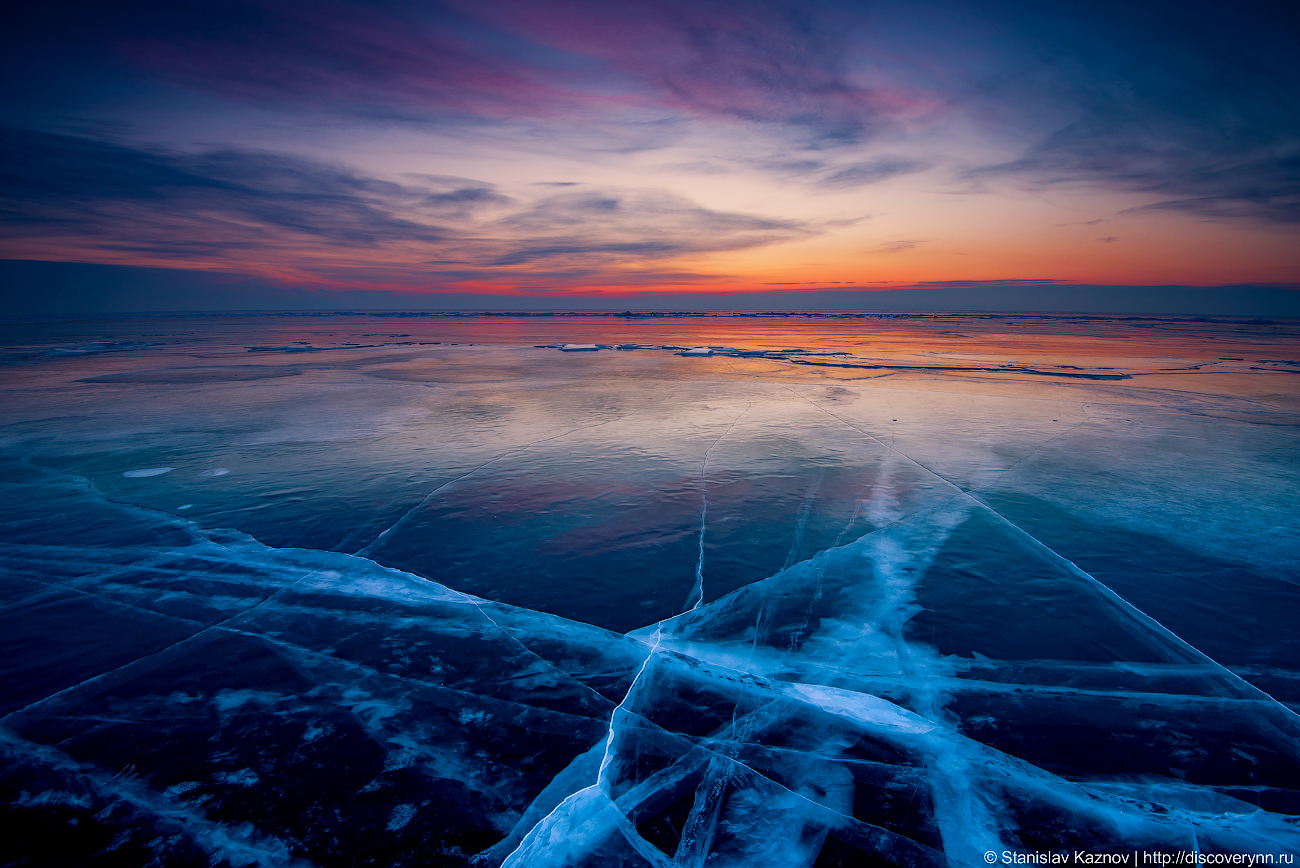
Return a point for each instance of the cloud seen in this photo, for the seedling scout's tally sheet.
(871, 172)
(28, 288)
(1110, 239)
(981, 284)
(378, 58)
(631, 224)
(179, 204)
(782, 63)
(1195, 106)
(1219, 179)
(766, 61)
(897, 246)
(1283, 207)
(71, 197)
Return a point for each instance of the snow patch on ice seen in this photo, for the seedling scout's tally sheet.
(401, 815)
(151, 471)
(315, 731)
(52, 798)
(241, 778)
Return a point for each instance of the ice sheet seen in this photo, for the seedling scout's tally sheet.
(469, 600)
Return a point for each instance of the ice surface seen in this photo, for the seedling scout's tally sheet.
(443, 604)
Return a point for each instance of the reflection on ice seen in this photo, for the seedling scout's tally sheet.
(611, 613)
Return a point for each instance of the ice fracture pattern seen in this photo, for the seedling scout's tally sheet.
(630, 614)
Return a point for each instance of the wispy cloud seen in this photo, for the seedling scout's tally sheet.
(771, 62)
(123, 196)
(624, 225)
(980, 284)
(606, 125)
(768, 61)
(871, 172)
(897, 246)
(267, 212)
(1200, 110)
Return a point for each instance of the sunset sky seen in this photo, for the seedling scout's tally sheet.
(571, 147)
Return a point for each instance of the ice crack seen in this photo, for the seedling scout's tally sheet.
(696, 596)
(1051, 554)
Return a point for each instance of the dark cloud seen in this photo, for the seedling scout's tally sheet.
(1280, 207)
(640, 224)
(270, 211)
(44, 288)
(1197, 103)
(384, 58)
(981, 284)
(897, 246)
(177, 204)
(769, 61)
(784, 62)
(871, 172)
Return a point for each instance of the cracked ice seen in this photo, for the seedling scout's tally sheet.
(548, 609)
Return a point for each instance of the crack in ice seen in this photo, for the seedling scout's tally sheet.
(1046, 550)
(696, 596)
(601, 787)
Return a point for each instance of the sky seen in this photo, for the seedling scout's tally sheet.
(615, 150)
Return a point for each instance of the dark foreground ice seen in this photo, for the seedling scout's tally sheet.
(484, 602)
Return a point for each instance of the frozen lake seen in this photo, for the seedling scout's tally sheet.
(648, 591)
